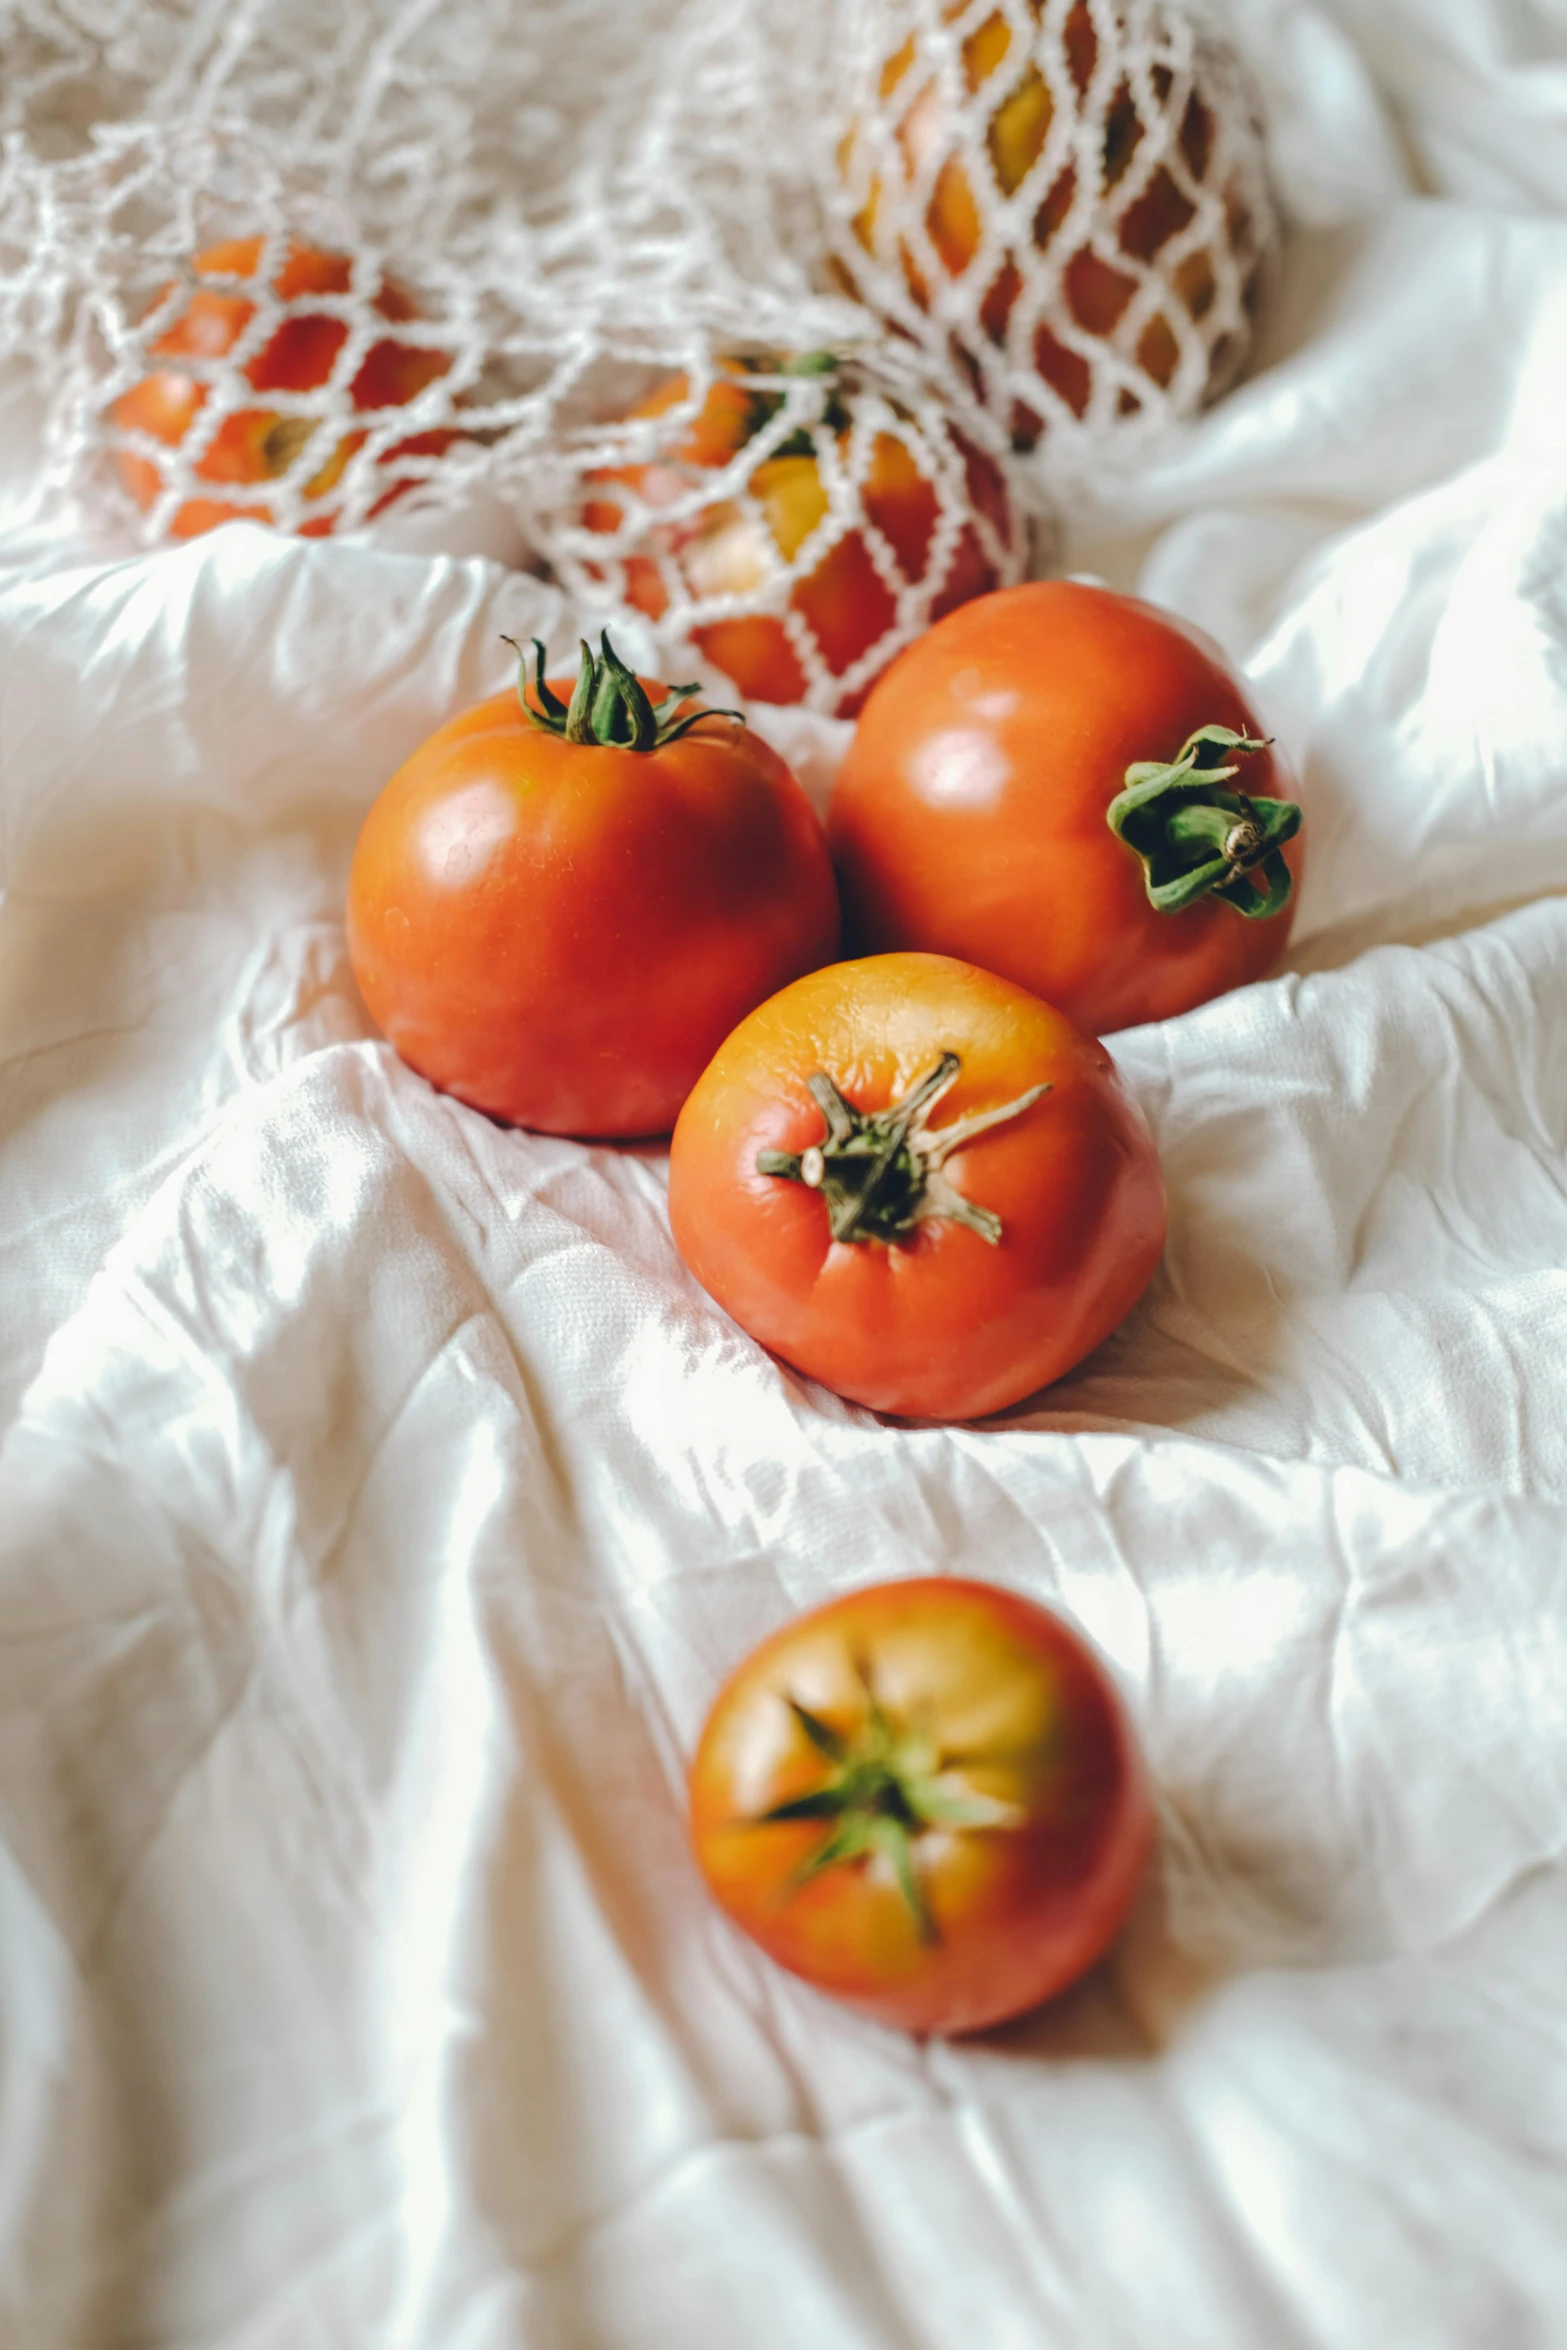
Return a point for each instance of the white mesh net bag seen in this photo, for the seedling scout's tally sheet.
(1070, 194)
(588, 260)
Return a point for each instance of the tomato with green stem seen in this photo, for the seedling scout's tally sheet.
(724, 547)
(561, 904)
(1073, 788)
(926, 1799)
(936, 1270)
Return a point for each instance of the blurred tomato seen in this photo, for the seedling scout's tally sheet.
(728, 547)
(938, 153)
(255, 445)
(925, 1798)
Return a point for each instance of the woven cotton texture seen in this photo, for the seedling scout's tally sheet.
(402, 258)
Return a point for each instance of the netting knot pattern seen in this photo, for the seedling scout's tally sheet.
(1070, 196)
(797, 518)
(319, 270)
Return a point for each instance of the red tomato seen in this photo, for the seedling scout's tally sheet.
(926, 1799)
(255, 445)
(972, 814)
(939, 1272)
(559, 926)
(727, 549)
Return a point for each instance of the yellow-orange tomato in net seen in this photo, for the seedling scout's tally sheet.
(793, 591)
(1073, 195)
(257, 443)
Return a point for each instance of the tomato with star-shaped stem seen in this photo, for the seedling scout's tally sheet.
(926, 1799)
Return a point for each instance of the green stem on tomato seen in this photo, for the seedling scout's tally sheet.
(609, 704)
(887, 1785)
(881, 1173)
(1196, 838)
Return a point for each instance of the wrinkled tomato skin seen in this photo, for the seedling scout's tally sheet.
(251, 445)
(1020, 1912)
(943, 1326)
(969, 816)
(562, 934)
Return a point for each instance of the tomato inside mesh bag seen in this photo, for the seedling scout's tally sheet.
(1027, 226)
(1069, 195)
(844, 519)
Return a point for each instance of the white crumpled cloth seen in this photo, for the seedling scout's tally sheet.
(380, 1502)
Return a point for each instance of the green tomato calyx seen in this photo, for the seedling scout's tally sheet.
(832, 415)
(881, 1173)
(609, 704)
(1196, 838)
(889, 1786)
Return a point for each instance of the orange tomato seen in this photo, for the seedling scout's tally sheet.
(925, 1799)
(557, 911)
(728, 548)
(972, 152)
(973, 812)
(936, 1271)
(256, 445)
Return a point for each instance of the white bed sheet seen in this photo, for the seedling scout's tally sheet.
(380, 1502)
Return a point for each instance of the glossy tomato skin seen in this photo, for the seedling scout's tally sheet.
(254, 445)
(561, 934)
(943, 1326)
(969, 816)
(1024, 1711)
